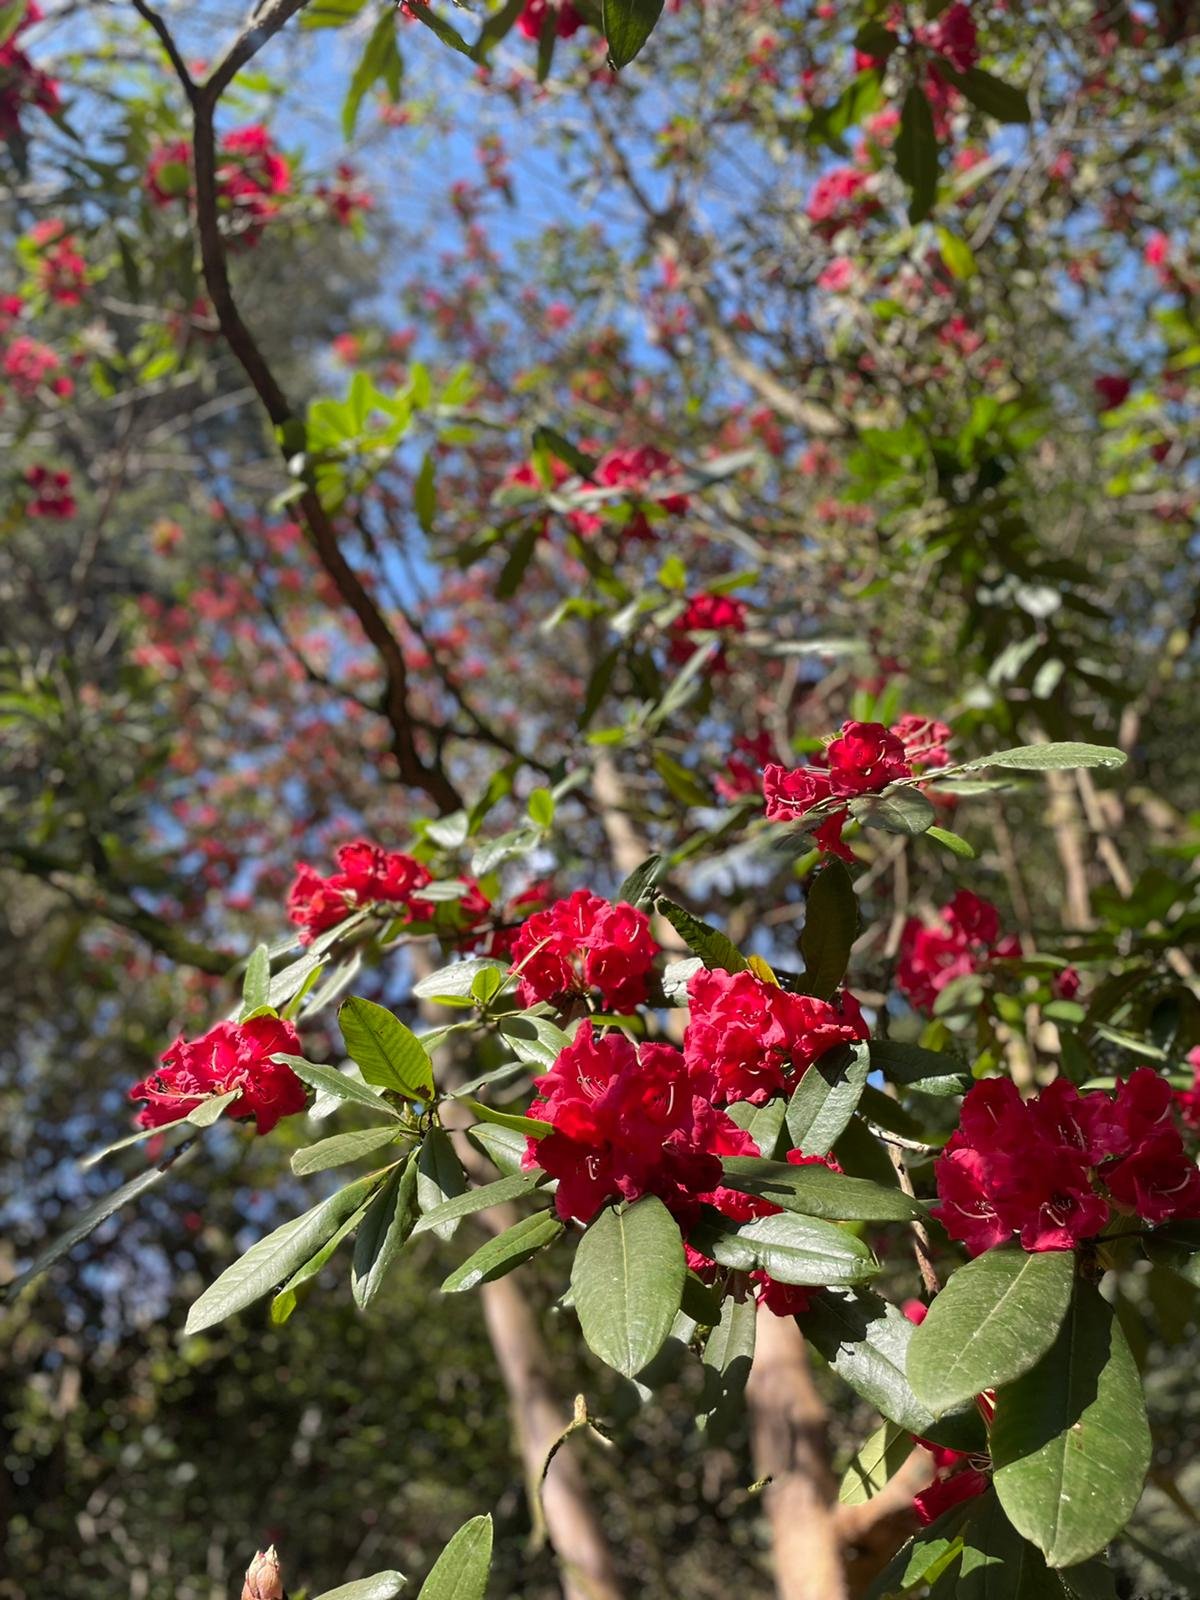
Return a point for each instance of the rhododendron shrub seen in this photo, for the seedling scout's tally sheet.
(578, 560)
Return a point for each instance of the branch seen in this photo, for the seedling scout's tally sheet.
(431, 778)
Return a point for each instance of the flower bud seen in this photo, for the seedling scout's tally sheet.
(263, 1578)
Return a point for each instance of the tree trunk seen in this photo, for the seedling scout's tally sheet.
(787, 1432)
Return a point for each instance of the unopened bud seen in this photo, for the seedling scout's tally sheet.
(264, 1580)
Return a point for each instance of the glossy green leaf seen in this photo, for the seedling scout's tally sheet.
(917, 163)
(876, 1461)
(529, 1126)
(792, 1248)
(256, 984)
(627, 26)
(1059, 757)
(461, 1571)
(505, 1252)
(382, 1234)
(825, 1098)
(1070, 1440)
(728, 1356)
(339, 1149)
(379, 1586)
(627, 1280)
(815, 1191)
(714, 948)
(514, 1187)
(993, 1320)
(440, 1177)
(911, 1066)
(389, 1054)
(338, 1084)
(904, 811)
(830, 928)
(274, 1258)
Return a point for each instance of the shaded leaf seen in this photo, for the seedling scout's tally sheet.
(627, 1280)
(505, 1252)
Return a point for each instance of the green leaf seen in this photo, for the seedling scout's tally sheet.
(922, 1071)
(390, 1055)
(638, 888)
(461, 1571)
(957, 254)
(627, 1279)
(531, 1127)
(547, 39)
(728, 1355)
(504, 1147)
(256, 985)
(380, 59)
(380, 1586)
(536, 1040)
(440, 1177)
(763, 1123)
(12, 14)
(627, 26)
(339, 1149)
(208, 1111)
(503, 1190)
(1070, 1440)
(815, 1191)
(996, 1316)
(557, 444)
(954, 842)
(496, 27)
(273, 1259)
(425, 494)
(446, 33)
(903, 811)
(917, 154)
(830, 928)
(506, 1251)
(519, 557)
(389, 1222)
(874, 1463)
(792, 1248)
(714, 948)
(541, 808)
(997, 1564)
(1060, 757)
(683, 785)
(865, 1340)
(1001, 100)
(330, 1081)
(455, 981)
(285, 1302)
(930, 1552)
(825, 1098)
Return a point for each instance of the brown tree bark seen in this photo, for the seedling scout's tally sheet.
(787, 1432)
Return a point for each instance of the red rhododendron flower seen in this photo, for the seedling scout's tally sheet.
(629, 1122)
(346, 197)
(953, 35)
(61, 270)
(924, 741)
(583, 945)
(168, 175)
(21, 83)
(1048, 1168)
(757, 1039)
(1112, 390)
(52, 495)
(706, 613)
(367, 874)
(862, 759)
(964, 939)
(840, 199)
(233, 1055)
(30, 366)
(636, 470)
(744, 777)
(949, 1488)
(532, 18)
(1188, 1100)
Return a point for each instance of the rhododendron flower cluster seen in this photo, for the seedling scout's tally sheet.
(963, 939)
(233, 1055)
(863, 759)
(252, 176)
(21, 83)
(707, 613)
(585, 945)
(52, 495)
(755, 1038)
(346, 197)
(61, 270)
(744, 768)
(31, 366)
(630, 1121)
(1049, 1169)
(840, 199)
(533, 18)
(637, 471)
(366, 875)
